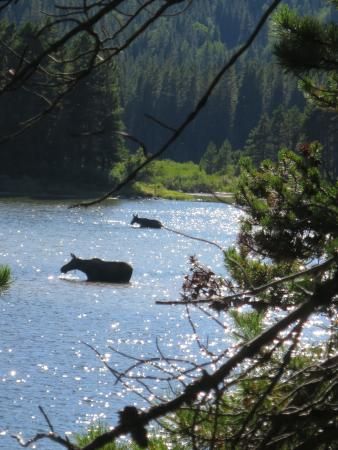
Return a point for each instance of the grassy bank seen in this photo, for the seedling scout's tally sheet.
(172, 180)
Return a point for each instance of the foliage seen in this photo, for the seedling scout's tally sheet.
(127, 164)
(283, 128)
(186, 177)
(163, 176)
(293, 209)
(142, 189)
(253, 272)
(247, 324)
(5, 276)
(306, 47)
(217, 160)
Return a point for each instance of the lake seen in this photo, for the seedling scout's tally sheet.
(47, 320)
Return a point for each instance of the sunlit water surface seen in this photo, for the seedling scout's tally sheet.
(46, 320)
(51, 326)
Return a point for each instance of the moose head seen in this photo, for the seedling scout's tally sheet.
(134, 219)
(72, 265)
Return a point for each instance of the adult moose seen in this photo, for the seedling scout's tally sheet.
(145, 223)
(98, 270)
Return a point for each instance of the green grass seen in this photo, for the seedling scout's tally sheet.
(184, 177)
(5, 276)
(170, 179)
(158, 190)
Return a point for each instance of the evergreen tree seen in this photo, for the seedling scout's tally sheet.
(217, 159)
(308, 48)
(79, 139)
(284, 128)
(259, 144)
(322, 126)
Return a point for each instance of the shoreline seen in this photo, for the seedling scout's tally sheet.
(50, 190)
(227, 197)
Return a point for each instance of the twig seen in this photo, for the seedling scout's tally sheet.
(195, 238)
(46, 419)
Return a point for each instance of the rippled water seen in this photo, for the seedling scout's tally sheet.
(46, 321)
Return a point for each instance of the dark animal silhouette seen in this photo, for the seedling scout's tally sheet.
(145, 223)
(98, 270)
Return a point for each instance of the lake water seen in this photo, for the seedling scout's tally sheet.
(46, 321)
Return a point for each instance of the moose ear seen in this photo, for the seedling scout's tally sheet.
(72, 255)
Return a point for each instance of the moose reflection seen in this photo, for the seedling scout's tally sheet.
(98, 270)
(145, 223)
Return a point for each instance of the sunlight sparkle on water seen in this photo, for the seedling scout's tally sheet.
(45, 324)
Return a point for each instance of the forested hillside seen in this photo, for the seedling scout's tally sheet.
(170, 67)
(256, 109)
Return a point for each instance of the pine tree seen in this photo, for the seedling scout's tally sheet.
(308, 48)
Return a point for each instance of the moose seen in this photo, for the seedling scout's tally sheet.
(98, 270)
(146, 223)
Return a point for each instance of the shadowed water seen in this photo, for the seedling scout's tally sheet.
(46, 320)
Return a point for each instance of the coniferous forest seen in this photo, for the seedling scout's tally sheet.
(257, 109)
